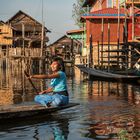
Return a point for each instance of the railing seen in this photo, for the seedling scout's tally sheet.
(135, 1)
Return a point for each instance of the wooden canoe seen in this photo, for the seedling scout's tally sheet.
(107, 75)
(28, 110)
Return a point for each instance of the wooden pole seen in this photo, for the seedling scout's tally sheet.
(133, 21)
(42, 40)
(118, 34)
(125, 26)
(90, 52)
(108, 46)
(42, 33)
(102, 40)
(42, 43)
(72, 47)
(23, 36)
(98, 54)
(83, 45)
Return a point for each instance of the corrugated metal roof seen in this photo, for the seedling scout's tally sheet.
(75, 31)
(105, 13)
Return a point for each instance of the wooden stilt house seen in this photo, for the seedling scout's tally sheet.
(66, 48)
(22, 47)
(102, 25)
(27, 33)
(79, 35)
(111, 27)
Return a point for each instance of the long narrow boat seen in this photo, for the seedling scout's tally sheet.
(28, 110)
(107, 75)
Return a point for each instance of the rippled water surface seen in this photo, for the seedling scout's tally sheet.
(107, 111)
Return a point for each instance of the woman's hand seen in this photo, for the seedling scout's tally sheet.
(30, 77)
(42, 92)
(49, 90)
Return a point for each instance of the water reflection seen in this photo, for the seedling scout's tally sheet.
(130, 93)
(14, 87)
(57, 131)
(50, 127)
(113, 110)
(108, 110)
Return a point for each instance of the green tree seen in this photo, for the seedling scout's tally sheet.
(78, 11)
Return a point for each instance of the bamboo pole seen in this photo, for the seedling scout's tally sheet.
(42, 34)
(42, 42)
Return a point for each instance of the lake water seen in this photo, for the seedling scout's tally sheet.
(107, 111)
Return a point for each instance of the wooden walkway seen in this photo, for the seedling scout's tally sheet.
(28, 110)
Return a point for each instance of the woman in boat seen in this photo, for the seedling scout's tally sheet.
(58, 87)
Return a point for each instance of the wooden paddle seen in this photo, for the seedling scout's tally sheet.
(27, 75)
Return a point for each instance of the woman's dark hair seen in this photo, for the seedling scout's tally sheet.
(60, 61)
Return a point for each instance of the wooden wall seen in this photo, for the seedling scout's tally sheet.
(5, 31)
(33, 52)
(104, 41)
(94, 28)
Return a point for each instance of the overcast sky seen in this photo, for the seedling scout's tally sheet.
(57, 14)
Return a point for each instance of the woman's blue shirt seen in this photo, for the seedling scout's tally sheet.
(59, 84)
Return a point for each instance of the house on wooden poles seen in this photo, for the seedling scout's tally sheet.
(23, 43)
(27, 39)
(112, 33)
(79, 34)
(66, 48)
(27, 33)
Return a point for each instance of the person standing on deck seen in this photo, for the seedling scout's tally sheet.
(58, 87)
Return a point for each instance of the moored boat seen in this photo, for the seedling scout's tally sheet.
(108, 75)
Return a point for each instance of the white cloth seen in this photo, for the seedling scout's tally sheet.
(137, 66)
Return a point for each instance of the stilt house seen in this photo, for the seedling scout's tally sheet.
(108, 27)
(79, 35)
(66, 48)
(28, 33)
